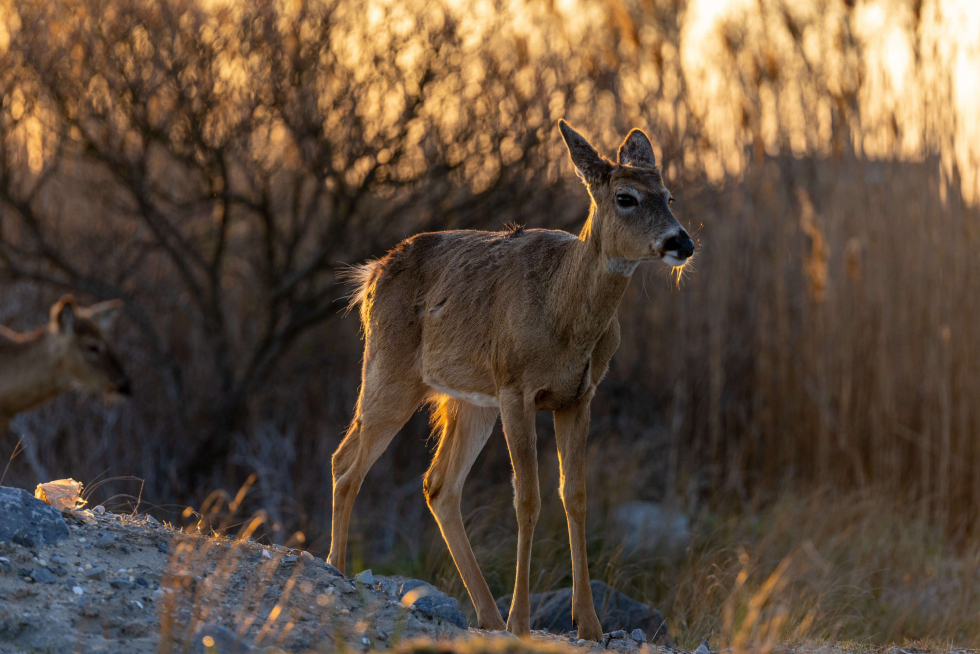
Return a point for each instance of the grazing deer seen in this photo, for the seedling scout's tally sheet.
(71, 351)
(481, 324)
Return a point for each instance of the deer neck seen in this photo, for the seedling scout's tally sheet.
(591, 284)
(28, 373)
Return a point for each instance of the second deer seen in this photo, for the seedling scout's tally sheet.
(71, 351)
(482, 324)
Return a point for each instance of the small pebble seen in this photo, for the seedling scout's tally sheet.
(99, 509)
(365, 577)
(639, 636)
(266, 554)
(703, 648)
(82, 539)
(59, 559)
(344, 612)
(139, 603)
(581, 641)
(78, 590)
(162, 547)
(88, 566)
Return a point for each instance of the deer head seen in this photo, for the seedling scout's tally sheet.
(80, 346)
(631, 219)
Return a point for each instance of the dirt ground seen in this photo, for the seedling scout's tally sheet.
(130, 584)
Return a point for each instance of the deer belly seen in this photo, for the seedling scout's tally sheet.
(477, 399)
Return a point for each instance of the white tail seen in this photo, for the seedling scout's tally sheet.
(483, 324)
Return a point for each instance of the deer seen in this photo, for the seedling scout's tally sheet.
(71, 351)
(486, 324)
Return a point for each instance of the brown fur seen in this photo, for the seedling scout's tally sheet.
(508, 323)
(71, 351)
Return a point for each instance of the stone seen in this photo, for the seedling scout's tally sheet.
(638, 636)
(121, 584)
(99, 509)
(703, 648)
(616, 611)
(418, 587)
(291, 559)
(213, 638)
(365, 577)
(162, 547)
(30, 520)
(96, 574)
(441, 607)
(42, 576)
(621, 633)
(59, 559)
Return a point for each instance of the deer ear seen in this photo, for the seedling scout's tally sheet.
(105, 314)
(63, 314)
(637, 151)
(588, 164)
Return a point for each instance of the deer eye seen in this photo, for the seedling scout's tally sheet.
(625, 201)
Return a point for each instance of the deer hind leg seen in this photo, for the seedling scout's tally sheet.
(464, 430)
(518, 414)
(385, 404)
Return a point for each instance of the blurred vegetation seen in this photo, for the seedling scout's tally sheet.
(215, 164)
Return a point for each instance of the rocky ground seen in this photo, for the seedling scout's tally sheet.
(89, 581)
(126, 583)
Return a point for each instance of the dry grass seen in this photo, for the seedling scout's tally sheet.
(827, 566)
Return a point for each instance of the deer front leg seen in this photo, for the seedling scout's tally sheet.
(571, 431)
(517, 413)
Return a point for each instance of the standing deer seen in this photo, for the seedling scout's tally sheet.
(481, 324)
(71, 351)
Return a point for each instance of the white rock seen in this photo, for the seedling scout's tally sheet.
(365, 577)
(703, 648)
(266, 554)
(99, 509)
(78, 590)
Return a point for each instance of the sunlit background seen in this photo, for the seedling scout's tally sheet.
(807, 394)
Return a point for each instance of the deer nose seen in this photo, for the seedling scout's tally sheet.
(680, 245)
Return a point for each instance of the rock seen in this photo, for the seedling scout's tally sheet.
(291, 559)
(96, 574)
(441, 607)
(121, 584)
(703, 648)
(106, 541)
(213, 638)
(621, 633)
(42, 576)
(647, 527)
(29, 519)
(418, 587)
(616, 611)
(59, 559)
(162, 547)
(423, 598)
(99, 509)
(306, 556)
(638, 636)
(365, 577)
